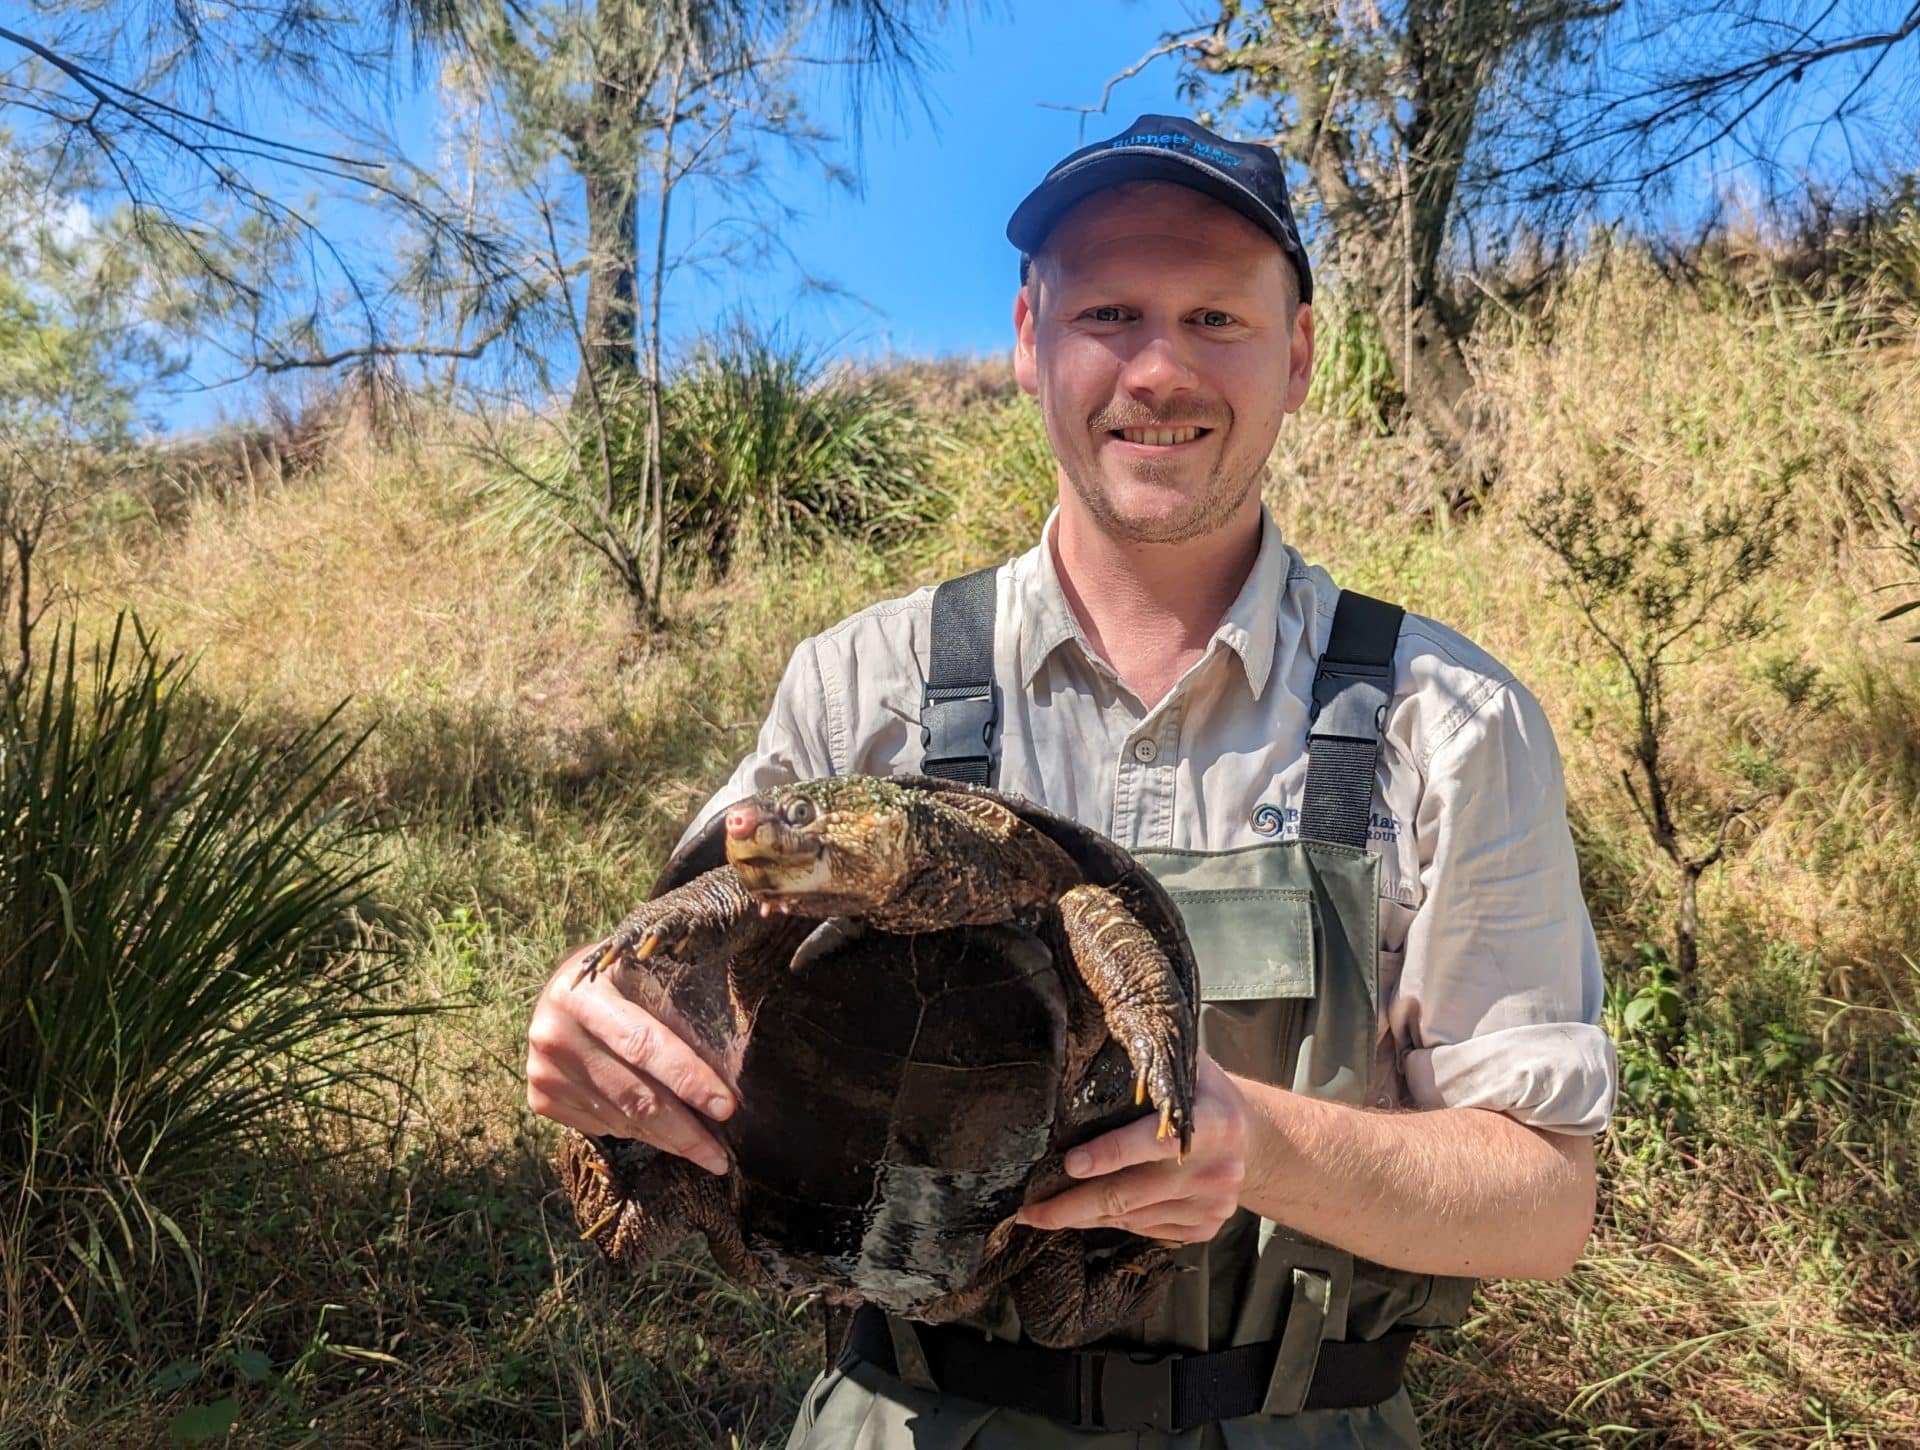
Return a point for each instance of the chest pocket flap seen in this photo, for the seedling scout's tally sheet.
(1253, 942)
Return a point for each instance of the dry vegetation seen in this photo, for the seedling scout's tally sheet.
(1754, 1276)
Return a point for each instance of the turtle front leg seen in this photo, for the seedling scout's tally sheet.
(1145, 1006)
(690, 921)
(635, 1203)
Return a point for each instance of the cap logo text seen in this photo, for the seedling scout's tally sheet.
(1175, 140)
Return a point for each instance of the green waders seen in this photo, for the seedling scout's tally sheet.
(1287, 938)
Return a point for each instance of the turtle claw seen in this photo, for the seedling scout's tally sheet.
(649, 944)
(601, 1222)
(1161, 1074)
(595, 960)
(1167, 1131)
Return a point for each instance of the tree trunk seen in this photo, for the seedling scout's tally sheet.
(1378, 255)
(1686, 934)
(656, 466)
(610, 163)
(1438, 386)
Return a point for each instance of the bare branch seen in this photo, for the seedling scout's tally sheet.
(1196, 40)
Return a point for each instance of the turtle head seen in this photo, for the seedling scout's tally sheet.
(821, 846)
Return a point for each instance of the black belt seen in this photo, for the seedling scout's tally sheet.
(1119, 1389)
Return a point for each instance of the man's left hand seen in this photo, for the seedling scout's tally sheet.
(1136, 1183)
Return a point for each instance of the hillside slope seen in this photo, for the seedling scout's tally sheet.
(1756, 1272)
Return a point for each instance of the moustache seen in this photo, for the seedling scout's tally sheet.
(1111, 420)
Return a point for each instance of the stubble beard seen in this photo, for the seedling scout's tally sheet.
(1215, 505)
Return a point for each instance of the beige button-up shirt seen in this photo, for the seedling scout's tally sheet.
(1490, 983)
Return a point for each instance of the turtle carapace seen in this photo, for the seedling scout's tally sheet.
(923, 994)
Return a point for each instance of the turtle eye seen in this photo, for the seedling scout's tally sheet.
(799, 812)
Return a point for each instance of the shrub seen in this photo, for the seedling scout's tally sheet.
(762, 442)
(763, 439)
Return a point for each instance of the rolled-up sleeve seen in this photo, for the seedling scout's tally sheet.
(793, 743)
(1499, 998)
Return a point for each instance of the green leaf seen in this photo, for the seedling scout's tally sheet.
(254, 1365)
(204, 1422)
(176, 1376)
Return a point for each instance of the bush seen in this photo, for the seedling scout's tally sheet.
(762, 443)
(763, 440)
(179, 959)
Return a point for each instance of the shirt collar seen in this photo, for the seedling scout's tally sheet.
(1248, 627)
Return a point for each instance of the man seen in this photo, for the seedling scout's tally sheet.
(1362, 819)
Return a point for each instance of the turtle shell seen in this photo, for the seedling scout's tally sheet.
(898, 1095)
(895, 1098)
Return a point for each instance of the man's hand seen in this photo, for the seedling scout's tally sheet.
(1136, 1183)
(598, 1063)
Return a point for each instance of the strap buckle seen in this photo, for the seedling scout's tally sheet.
(1301, 1335)
(956, 723)
(1357, 695)
(1124, 1390)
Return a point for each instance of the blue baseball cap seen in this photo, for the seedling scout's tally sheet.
(1248, 178)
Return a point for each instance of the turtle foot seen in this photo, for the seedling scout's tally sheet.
(1163, 1072)
(688, 923)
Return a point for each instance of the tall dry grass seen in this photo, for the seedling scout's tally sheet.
(1753, 1276)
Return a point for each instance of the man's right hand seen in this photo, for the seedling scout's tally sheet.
(600, 1064)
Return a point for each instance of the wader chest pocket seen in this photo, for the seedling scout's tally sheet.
(1254, 943)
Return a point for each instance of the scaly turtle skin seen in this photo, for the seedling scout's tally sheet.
(923, 994)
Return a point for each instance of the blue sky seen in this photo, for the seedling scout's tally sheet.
(923, 245)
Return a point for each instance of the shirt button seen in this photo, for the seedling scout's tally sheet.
(1144, 751)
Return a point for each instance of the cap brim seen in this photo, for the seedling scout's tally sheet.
(1035, 218)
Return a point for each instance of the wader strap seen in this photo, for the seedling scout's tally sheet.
(956, 711)
(1350, 693)
(1121, 1389)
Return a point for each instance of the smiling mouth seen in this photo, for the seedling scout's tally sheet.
(1158, 437)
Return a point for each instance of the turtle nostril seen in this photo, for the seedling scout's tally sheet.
(742, 821)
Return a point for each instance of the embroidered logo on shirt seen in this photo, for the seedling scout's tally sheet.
(1285, 823)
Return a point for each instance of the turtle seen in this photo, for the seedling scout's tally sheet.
(923, 994)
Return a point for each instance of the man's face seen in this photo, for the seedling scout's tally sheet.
(1158, 332)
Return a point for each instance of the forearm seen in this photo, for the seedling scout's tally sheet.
(1450, 1191)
